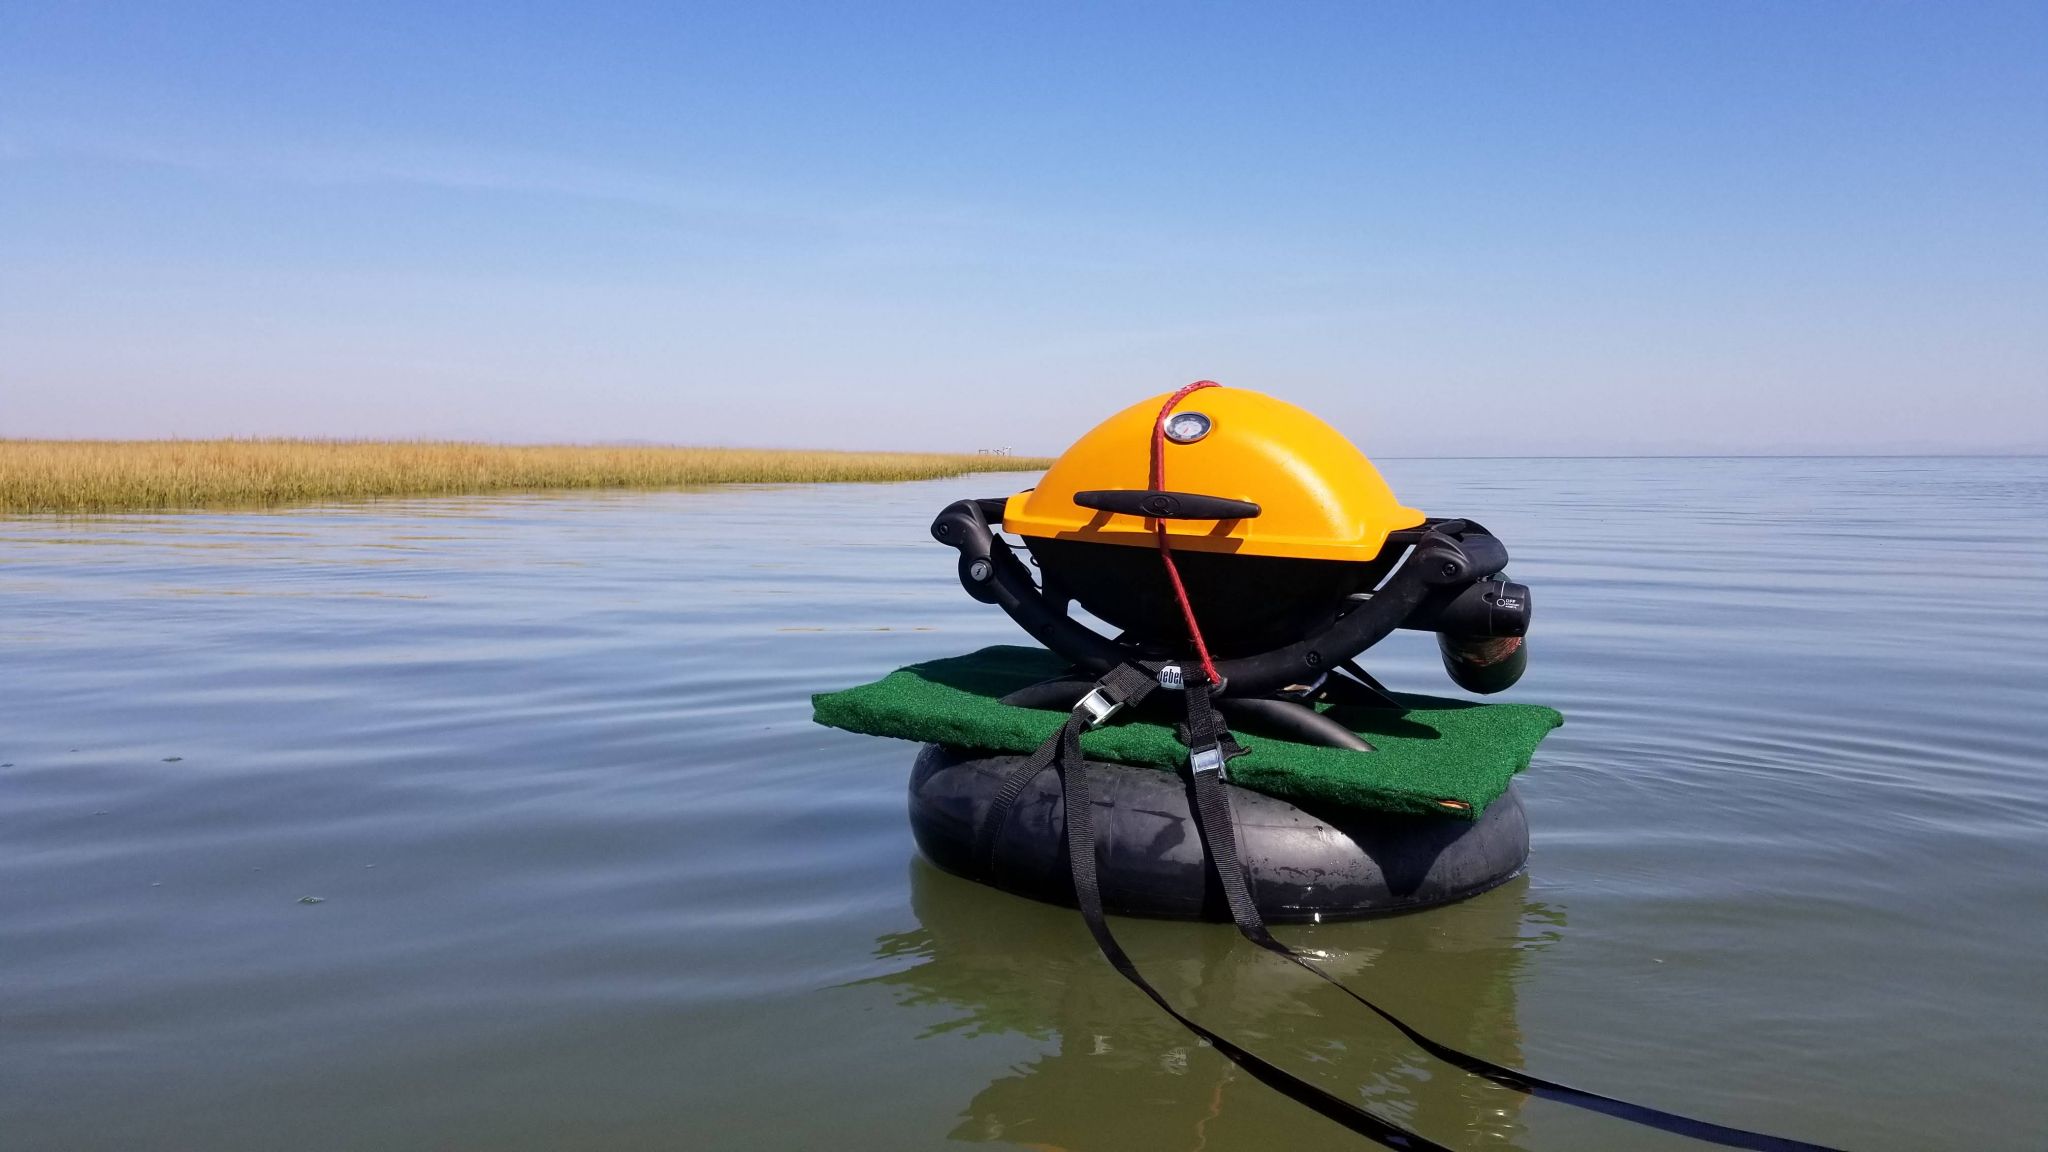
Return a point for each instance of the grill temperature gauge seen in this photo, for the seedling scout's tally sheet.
(1187, 427)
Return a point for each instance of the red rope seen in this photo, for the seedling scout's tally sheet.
(1180, 592)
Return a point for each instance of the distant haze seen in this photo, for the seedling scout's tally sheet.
(1477, 229)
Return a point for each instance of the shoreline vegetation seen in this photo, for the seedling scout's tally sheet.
(95, 476)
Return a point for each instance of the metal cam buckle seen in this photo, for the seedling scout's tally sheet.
(1099, 707)
(1208, 759)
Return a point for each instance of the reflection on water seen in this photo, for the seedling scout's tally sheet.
(1118, 1075)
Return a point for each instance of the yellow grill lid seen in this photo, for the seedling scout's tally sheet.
(1319, 497)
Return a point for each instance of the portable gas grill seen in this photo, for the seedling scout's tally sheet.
(1277, 535)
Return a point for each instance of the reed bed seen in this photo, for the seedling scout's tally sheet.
(89, 476)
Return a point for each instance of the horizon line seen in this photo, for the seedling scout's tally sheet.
(1962, 454)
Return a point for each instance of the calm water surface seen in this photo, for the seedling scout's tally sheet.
(588, 878)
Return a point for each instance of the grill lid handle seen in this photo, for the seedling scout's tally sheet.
(1166, 505)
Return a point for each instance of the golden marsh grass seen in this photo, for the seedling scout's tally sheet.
(88, 476)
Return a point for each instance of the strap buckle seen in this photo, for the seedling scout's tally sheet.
(1099, 707)
(1208, 760)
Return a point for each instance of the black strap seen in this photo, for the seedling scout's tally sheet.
(1123, 685)
(1080, 832)
(1219, 843)
(997, 817)
(1211, 746)
(1205, 727)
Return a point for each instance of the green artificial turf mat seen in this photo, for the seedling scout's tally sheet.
(1438, 750)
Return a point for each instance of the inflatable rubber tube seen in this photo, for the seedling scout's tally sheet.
(1301, 865)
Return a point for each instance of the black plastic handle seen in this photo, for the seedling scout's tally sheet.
(992, 574)
(1446, 555)
(1166, 505)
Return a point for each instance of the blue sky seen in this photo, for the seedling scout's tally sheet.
(1450, 229)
